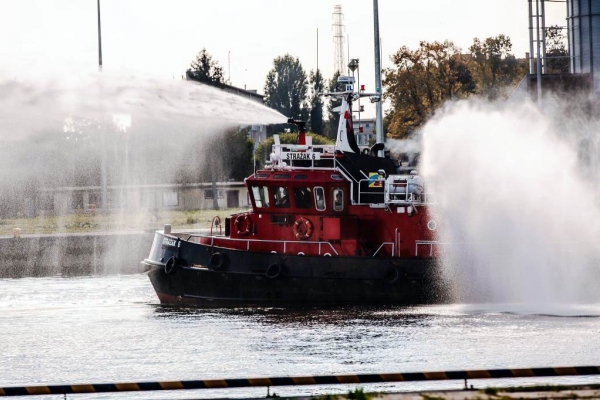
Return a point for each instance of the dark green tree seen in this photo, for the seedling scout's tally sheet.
(556, 51)
(218, 157)
(225, 155)
(206, 70)
(236, 154)
(317, 84)
(421, 81)
(286, 87)
(497, 70)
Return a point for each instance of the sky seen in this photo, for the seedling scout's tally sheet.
(161, 37)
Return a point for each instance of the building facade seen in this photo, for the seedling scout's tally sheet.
(196, 196)
(583, 24)
(364, 130)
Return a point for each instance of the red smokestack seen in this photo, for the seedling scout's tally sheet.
(301, 135)
(301, 130)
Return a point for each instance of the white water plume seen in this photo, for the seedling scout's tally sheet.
(34, 102)
(55, 129)
(60, 131)
(519, 210)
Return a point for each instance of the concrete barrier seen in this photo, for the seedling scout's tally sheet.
(301, 380)
(73, 254)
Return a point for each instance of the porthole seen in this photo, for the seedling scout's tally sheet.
(432, 225)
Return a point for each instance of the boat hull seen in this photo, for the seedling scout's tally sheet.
(237, 278)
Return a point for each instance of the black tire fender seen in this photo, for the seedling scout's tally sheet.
(391, 275)
(171, 265)
(274, 271)
(218, 260)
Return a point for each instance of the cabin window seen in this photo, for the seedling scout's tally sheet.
(302, 197)
(281, 176)
(282, 199)
(301, 176)
(338, 199)
(320, 198)
(261, 196)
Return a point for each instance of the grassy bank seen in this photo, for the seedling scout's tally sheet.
(113, 221)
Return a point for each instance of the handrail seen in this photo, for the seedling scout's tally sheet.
(284, 242)
(344, 172)
(216, 221)
(300, 380)
(425, 242)
(360, 192)
(327, 154)
(295, 167)
(383, 244)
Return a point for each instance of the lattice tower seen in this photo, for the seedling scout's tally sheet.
(339, 57)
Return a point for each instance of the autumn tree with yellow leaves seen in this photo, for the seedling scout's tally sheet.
(422, 80)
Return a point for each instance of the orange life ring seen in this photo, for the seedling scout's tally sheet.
(303, 228)
(244, 224)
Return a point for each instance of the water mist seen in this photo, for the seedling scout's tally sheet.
(57, 130)
(517, 206)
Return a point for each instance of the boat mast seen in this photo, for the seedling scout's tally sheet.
(379, 118)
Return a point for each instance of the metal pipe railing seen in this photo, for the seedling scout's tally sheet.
(249, 241)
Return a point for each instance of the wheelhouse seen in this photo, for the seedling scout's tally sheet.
(305, 192)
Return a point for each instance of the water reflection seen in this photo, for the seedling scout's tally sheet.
(348, 315)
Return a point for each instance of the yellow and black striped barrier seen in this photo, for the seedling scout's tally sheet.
(300, 380)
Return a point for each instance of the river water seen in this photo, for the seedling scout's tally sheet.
(95, 329)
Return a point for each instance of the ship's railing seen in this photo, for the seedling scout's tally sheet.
(399, 192)
(428, 244)
(288, 156)
(367, 182)
(404, 198)
(285, 243)
(383, 245)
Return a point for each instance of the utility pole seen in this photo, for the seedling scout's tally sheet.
(378, 89)
(543, 16)
(531, 62)
(539, 58)
(103, 168)
(99, 39)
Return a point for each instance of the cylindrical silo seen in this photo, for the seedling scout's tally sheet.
(583, 20)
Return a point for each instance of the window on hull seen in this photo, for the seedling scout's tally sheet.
(303, 197)
(320, 199)
(282, 199)
(338, 199)
(261, 196)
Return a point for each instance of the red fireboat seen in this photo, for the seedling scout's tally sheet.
(329, 225)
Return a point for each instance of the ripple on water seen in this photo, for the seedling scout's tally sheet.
(110, 328)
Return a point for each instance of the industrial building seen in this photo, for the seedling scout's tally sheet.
(194, 196)
(583, 35)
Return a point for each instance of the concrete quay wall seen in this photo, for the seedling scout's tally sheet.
(73, 254)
